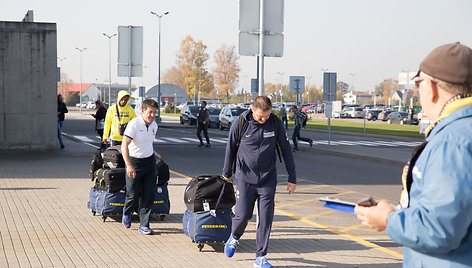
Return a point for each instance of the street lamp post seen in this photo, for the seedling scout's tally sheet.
(109, 66)
(60, 76)
(281, 88)
(80, 95)
(159, 65)
(352, 80)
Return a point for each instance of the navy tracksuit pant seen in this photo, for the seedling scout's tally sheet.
(141, 190)
(246, 196)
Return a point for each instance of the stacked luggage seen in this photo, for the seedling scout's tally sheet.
(108, 193)
(207, 219)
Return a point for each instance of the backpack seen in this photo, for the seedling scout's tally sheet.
(303, 118)
(201, 116)
(242, 126)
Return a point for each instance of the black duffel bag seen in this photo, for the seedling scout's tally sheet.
(206, 189)
(112, 157)
(163, 173)
(110, 180)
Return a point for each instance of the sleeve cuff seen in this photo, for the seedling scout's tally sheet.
(128, 136)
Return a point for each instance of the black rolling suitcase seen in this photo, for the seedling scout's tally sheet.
(210, 225)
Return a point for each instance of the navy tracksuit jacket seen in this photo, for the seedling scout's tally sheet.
(256, 175)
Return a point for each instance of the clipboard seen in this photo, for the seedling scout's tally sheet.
(338, 204)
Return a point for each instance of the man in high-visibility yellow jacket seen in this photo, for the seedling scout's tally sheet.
(118, 117)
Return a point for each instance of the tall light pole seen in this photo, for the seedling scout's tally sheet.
(352, 79)
(281, 89)
(60, 76)
(109, 66)
(80, 96)
(159, 65)
(308, 86)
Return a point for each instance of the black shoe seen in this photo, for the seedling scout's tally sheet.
(311, 143)
(62, 146)
(208, 145)
(200, 145)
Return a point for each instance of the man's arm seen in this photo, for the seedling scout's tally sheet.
(108, 121)
(207, 119)
(230, 153)
(125, 152)
(287, 155)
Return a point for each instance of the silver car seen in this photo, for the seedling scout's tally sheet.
(227, 116)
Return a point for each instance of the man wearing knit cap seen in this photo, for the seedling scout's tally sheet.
(434, 218)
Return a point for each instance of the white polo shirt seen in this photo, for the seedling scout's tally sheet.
(142, 137)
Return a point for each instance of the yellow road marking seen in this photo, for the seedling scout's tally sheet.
(312, 223)
(348, 236)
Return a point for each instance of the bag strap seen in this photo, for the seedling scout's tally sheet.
(220, 197)
(118, 113)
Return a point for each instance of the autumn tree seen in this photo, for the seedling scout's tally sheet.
(190, 71)
(387, 88)
(226, 71)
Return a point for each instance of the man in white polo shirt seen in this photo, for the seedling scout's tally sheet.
(141, 171)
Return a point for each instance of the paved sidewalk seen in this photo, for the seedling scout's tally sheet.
(44, 222)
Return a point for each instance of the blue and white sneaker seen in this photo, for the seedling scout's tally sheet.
(262, 262)
(126, 220)
(145, 230)
(231, 246)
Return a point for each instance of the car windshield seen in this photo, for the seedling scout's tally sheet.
(214, 111)
(237, 112)
(193, 109)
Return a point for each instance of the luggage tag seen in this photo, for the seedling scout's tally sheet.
(159, 190)
(206, 206)
(213, 212)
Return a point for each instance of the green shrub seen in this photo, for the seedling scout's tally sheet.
(170, 109)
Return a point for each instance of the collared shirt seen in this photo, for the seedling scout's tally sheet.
(142, 137)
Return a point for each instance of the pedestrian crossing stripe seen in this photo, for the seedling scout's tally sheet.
(184, 140)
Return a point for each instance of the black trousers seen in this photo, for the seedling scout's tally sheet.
(203, 127)
(141, 188)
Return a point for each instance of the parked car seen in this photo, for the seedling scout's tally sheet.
(227, 116)
(384, 115)
(188, 114)
(401, 118)
(373, 115)
(339, 114)
(354, 112)
(214, 117)
(307, 107)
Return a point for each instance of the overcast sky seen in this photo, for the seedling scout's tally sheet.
(373, 39)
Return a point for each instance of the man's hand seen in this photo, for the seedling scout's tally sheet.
(375, 216)
(226, 179)
(291, 187)
(131, 172)
(104, 141)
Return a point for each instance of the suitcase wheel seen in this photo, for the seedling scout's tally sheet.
(200, 247)
(94, 212)
(104, 218)
(162, 217)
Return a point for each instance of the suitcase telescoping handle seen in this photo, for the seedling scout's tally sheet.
(213, 211)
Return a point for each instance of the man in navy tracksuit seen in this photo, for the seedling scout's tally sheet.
(256, 175)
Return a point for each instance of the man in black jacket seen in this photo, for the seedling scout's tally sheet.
(203, 119)
(61, 110)
(256, 176)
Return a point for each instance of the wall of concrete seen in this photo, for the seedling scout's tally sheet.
(28, 106)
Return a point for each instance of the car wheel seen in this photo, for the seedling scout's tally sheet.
(374, 118)
(181, 121)
(389, 121)
(229, 126)
(220, 126)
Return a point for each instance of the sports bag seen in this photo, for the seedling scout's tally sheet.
(112, 157)
(161, 203)
(110, 180)
(206, 189)
(163, 174)
(97, 163)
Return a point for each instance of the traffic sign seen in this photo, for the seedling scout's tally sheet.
(297, 84)
(249, 16)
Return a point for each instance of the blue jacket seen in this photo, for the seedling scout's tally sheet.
(255, 163)
(436, 228)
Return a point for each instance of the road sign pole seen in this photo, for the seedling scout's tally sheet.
(261, 49)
